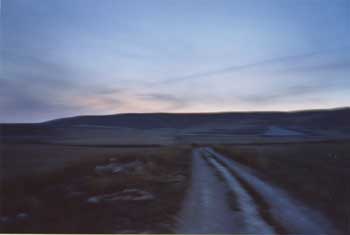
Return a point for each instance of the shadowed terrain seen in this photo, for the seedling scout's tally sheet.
(202, 128)
(131, 173)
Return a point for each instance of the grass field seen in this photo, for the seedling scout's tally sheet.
(27, 159)
(316, 173)
(46, 188)
(51, 184)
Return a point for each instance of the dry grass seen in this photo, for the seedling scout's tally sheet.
(316, 173)
(28, 159)
(45, 195)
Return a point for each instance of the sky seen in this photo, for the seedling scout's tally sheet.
(77, 57)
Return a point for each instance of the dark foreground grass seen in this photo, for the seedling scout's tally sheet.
(316, 173)
(56, 202)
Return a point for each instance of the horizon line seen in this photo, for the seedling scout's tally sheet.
(182, 113)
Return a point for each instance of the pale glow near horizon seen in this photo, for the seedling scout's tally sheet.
(66, 58)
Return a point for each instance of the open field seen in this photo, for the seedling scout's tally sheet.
(98, 186)
(27, 159)
(131, 173)
(175, 117)
(179, 129)
(316, 173)
(65, 189)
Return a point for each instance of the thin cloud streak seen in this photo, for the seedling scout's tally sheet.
(103, 57)
(173, 101)
(295, 92)
(331, 66)
(235, 68)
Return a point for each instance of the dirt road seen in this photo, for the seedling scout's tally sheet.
(227, 197)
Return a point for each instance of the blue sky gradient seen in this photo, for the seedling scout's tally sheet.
(72, 57)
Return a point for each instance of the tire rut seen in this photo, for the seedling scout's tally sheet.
(261, 205)
(284, 212)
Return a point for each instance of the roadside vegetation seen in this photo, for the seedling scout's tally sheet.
(316, 173)
(111, 192)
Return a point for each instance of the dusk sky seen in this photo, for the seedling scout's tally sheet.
(73, 57)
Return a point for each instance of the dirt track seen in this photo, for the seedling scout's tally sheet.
(254, 207)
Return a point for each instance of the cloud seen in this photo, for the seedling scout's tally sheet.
(291, 92)
(109, 91)
(329, 66)
(270, 61)
(32, 88)
(174, 102)
(18, 102)
(24, 101)
(149, 57)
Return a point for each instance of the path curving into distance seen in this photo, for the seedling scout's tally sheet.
(205, 208)
(260, 208)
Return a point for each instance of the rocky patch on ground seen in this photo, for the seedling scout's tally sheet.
(110, 196)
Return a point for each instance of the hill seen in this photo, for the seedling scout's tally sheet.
(187, 127)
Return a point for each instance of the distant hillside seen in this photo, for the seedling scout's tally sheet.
(165, 128)
(334, 118)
